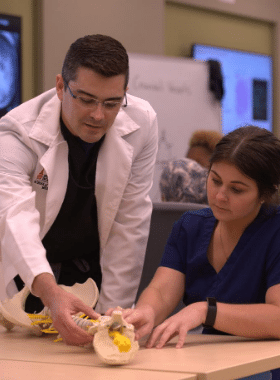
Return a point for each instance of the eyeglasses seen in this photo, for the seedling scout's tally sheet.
(88, 102)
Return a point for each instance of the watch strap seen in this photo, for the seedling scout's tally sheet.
(211, 312)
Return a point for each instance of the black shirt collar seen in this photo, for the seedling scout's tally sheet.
(69, 137)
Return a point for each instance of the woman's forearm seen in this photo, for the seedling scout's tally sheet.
(252, 321)
(153, 298)
(163, 294)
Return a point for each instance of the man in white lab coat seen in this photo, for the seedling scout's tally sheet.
(76, 167)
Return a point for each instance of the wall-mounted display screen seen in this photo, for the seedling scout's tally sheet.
(10, 63)
(247, 79)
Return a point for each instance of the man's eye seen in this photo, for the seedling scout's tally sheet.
(110, 104)
(87, 100)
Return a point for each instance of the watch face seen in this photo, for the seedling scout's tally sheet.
(8, 71)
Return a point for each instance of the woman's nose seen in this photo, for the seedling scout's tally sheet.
(221, 194)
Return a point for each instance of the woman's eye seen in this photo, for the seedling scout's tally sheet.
(216, 181)
(236, 191)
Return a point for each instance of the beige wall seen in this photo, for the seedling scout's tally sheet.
(186, 25)
(138, 24)
(262, 10)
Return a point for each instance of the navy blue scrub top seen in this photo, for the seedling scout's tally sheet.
(252, 268)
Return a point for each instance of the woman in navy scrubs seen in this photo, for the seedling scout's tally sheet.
(223, 260)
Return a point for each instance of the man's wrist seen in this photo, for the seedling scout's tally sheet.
(42, 283)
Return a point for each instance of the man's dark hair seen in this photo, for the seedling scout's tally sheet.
(102, 54)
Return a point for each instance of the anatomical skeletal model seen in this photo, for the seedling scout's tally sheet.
(113, 338)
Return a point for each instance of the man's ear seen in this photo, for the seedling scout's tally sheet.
(59, 86)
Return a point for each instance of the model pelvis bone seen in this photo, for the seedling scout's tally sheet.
(113, 337)
(12, 310)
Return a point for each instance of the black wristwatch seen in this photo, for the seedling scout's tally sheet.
(211, 312)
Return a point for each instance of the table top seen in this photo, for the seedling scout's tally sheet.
(19, 370)
(210, 357)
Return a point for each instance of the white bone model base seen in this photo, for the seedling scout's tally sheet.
(113, 338)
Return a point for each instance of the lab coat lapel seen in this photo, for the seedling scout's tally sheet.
(54, 161)
(112, 172)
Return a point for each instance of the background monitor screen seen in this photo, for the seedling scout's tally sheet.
(247, 79)
(10, 63)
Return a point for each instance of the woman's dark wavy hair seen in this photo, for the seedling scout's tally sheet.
(256, 153)
(102, 54)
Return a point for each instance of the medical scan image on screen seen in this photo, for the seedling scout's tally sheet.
(9, 68)
(247, 79)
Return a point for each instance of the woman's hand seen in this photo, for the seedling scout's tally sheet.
(179, 324)
(156, 302)
(143, 319)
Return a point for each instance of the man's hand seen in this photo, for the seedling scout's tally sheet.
(62, 306)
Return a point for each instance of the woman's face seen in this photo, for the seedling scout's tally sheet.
(232, 196)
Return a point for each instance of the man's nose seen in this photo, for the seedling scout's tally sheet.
(97, 112)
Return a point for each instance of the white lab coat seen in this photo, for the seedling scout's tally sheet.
(33, 182)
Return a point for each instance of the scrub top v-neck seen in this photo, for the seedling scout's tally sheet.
(252, 268)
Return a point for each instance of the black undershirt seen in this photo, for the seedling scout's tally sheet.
(72, 243)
